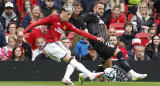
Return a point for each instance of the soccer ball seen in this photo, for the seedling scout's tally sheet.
(110, 73)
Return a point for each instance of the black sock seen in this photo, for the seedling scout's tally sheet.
(123, 62)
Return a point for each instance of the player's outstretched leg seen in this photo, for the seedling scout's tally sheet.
(76, 65)
(66, 79)
(125, 65)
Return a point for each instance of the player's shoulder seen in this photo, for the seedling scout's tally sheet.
(54, 16)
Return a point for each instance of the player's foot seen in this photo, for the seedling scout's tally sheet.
(67, 81)
(92, 77)
(81, 78)
(138, 77)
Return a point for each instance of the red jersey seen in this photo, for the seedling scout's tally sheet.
(56, 27)
(120, 19)
(36, 33)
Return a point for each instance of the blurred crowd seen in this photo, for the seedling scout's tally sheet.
(133, 27)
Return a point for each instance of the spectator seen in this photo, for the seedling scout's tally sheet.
(118, 2)
(62, 2)
(81, 47)
(36, 34)
(25, 47)
(43, 56)
(76, 13)
(17, 54)
(150, 6)
(158, 28)
(2, 7)
(41, 3)
(54, 12)
(39, 42)
(142, 19)
(66, 43)
(20, 4)
(26, 9)
(8, 49)
(2, 39)
(135, 42)
(128, 35)
(113, 39)
(74, 20)
(35, 15)
(92, 55)
(111, 31)
(151, 33)
(85, 4)
(156, 56)
(138, 54)
(11, 30)
(9, 16)
(157, 6)
(152, 48)
(49, 6)
(132, 6)
(116, 16)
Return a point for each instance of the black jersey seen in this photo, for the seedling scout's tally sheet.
(94, 24)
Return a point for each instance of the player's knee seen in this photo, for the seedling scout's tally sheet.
(120, 55)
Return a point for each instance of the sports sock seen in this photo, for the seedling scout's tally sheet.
(80, 67)
(123, 62)
(69, 71)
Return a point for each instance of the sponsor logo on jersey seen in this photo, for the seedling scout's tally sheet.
(59, 30)
(58, 23)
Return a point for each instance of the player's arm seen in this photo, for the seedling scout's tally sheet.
(84, 18)
(83, 33)
(43, 21)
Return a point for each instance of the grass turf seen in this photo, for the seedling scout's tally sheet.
(58, 83)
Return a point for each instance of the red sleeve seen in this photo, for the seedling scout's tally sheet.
(31, 39)
(43, 21)
(80, 32)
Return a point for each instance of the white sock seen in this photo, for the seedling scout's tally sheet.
(80, 67)
(69, 71)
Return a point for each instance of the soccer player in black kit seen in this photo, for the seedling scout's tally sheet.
(96, 27)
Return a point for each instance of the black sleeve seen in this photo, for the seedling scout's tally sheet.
(107, 16)
(84, 18)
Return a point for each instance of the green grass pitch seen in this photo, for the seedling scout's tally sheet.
(58, 83)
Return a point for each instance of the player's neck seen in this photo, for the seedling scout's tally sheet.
(61, 17)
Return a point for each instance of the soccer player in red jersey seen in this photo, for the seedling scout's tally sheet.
(54, 48)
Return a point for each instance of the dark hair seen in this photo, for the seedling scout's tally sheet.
(24, 9)
(9, 26)
(151, 28)
(12, 58)
(113, 35)
(153, 38)
(54, 10)
(98, 2)
(77, 4)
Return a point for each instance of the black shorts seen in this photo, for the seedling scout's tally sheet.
(104, 50)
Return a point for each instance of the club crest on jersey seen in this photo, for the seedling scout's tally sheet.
(64, 27)
(59, 30)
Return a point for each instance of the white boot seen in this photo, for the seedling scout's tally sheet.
(136, 76)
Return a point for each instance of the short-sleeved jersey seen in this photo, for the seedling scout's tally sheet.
(56, 27)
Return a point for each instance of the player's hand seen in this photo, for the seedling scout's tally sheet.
(100, 39)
